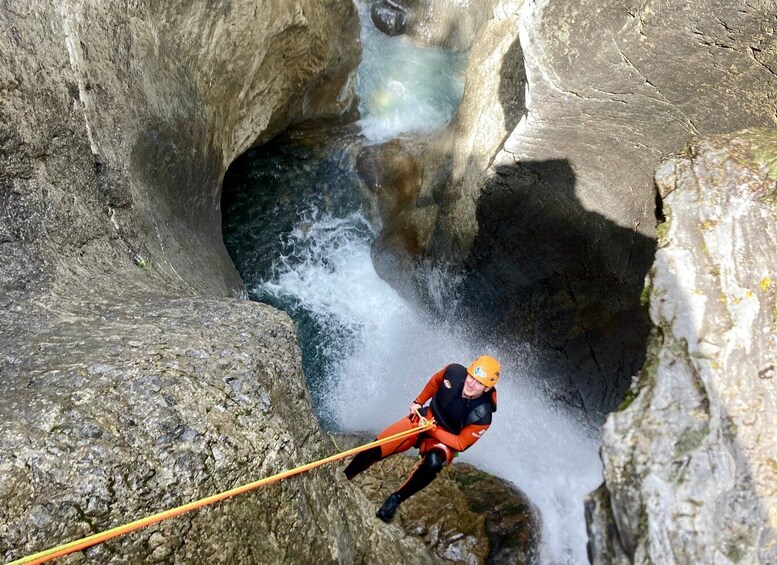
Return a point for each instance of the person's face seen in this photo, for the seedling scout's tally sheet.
(472, 388)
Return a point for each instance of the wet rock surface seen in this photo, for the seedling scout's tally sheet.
(689, 462)
(431, 185)
(463, 516)
(155, 403)
(389, 17)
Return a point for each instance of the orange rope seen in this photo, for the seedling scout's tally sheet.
(94, 539)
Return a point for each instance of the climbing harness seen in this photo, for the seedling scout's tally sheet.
(83, 543)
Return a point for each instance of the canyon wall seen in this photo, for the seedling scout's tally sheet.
(690, 461)
(544, 190)
(131, 381)
(541, 187)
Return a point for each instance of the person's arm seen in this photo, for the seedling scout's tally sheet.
(468, 436)
(431, 387)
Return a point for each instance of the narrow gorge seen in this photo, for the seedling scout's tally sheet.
(585, 190)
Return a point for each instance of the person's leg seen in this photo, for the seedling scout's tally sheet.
(364, 460)
(432, 463)
(424, 473)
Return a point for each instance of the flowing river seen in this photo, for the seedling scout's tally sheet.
(299, 231)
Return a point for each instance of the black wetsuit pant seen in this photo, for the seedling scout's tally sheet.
(432, 463)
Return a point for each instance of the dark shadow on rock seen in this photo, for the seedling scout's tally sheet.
(512, 85)
(183, 186)
(567, 280)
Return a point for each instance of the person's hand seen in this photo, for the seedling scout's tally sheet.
(414, 408)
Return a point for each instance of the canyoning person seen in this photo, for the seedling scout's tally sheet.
(462, 401)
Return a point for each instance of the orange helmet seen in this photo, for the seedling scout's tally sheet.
(485, 370)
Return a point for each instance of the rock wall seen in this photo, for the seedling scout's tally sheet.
(130, 381)
(555, 224)
(428, 188)
(690, 464)
(119, 122)
(137, 404)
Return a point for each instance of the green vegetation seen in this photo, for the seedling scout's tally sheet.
(648, 372)
(738, 548)
(765, 152)
(470, 478)
(763, 147)
(690, 439)
(735, 553)
(631, 394)
(644, 296)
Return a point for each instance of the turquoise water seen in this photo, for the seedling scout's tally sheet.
(403, 88)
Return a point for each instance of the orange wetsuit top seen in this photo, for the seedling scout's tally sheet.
(461, 421)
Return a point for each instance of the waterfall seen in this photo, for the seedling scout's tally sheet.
(381, 350)
(297, 231)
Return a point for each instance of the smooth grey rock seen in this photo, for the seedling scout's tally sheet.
(119, 121)
(689, 462)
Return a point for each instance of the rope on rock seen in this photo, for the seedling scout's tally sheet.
(83, 543)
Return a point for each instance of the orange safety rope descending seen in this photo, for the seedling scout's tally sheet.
(94, 539)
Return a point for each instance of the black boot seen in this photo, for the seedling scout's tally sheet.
(389, 508)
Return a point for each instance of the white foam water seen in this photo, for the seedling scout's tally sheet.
(389, 349)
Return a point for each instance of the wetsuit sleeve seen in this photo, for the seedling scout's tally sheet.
(468, 436)
(431, 387)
